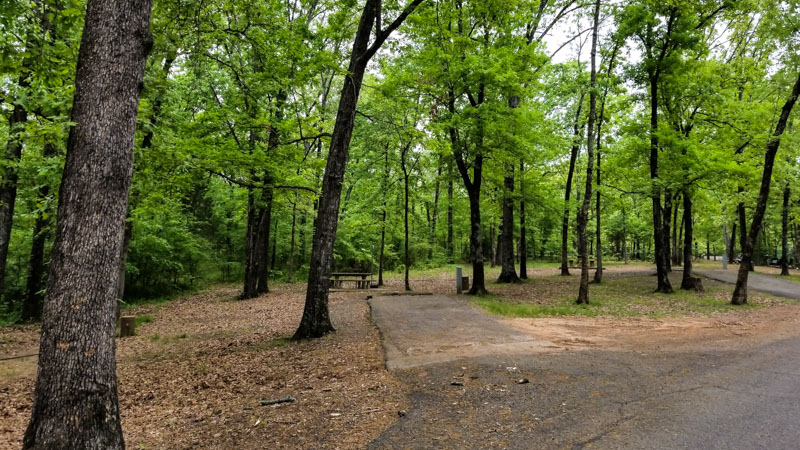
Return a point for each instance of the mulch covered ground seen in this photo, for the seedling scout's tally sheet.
(194, 376)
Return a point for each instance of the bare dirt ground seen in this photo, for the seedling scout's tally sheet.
(195, 375)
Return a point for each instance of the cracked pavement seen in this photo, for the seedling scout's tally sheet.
(714, 397)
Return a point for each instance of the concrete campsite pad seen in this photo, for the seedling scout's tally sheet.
(428, 329)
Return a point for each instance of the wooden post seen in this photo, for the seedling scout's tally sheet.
(127, 326)
(465, 282)
(459, 281)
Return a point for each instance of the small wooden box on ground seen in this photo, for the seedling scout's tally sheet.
(127, 326)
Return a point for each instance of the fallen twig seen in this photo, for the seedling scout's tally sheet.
(277, 401)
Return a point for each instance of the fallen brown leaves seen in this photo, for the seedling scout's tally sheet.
(194, 377)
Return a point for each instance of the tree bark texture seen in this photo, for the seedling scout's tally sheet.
(508, 273)
(316, 320)
(71, 409)
(740, 291)
(743, 229)
(583, 213)
(256, 243)
(450, 241)
(688, 280)
(577, 132)
(8, 184)
(406, 254)
(664, 285)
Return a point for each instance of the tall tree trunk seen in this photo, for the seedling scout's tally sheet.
(292, 243)
(732, 247)
(740, 291)
(667, 227)
(624, 239)
(435, 216)
(381, 264)
(664, 285)
(32, 306)
(274, 239)
(8, 184)
(743, 229)
(577, 135)
(406, 254)
(676, 245)
(598, 273)
(796, 246)
(785, 232)
(316, 320)
(262, 276)
(508, 273)
(523, 245)
(71, 409)
(583, 214)
(687, 282)
(450, 241)
(257, 241)
(476, 247)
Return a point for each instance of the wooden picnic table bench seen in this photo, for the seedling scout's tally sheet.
(359, 278)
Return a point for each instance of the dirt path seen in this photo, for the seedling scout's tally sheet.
(755, 281)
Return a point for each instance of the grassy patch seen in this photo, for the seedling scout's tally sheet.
(272, 343)
(621, 296)
(143, 319)
(510, 309)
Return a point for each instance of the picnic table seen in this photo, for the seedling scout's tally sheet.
(359, 278)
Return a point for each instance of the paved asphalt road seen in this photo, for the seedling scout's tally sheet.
(764, 283)
(653, 398)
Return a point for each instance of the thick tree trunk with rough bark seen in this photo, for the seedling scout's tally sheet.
(664, 285)
(667, 228)
(316, 320)
(256, 244)
(583, 214)
(732, 247)
(688, 280)
(740, 291)
(743, 229)
(508, 273)
(476, 246)
(71, 409)
(577, 132)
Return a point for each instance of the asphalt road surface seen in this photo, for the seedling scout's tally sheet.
(529, 397)
(756, 281)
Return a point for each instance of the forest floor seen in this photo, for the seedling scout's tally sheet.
(195, 374)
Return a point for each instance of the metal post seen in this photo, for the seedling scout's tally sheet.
(458, 280)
